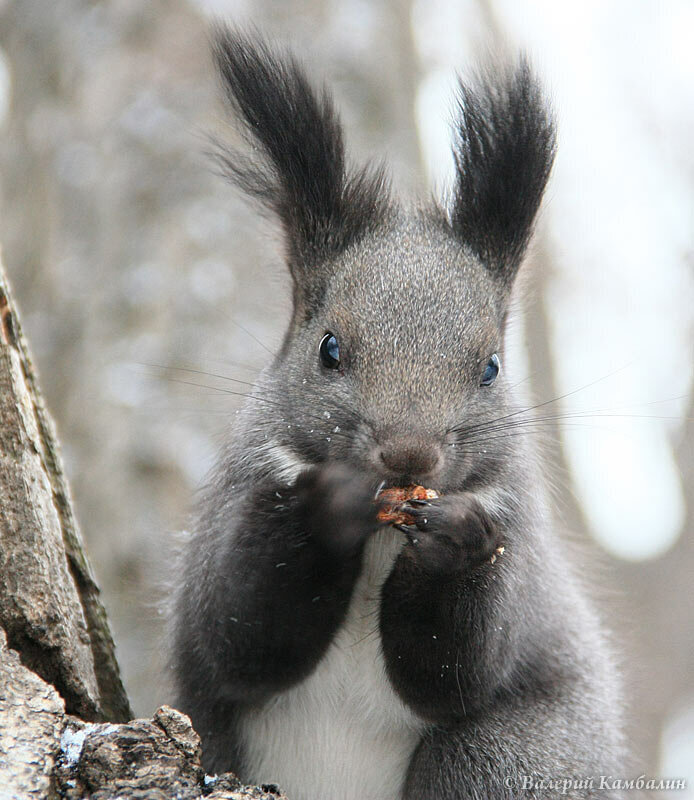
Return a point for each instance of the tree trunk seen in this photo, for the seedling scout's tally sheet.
(49, 601)
(60, 688)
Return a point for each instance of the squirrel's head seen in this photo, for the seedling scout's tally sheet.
(394, 353)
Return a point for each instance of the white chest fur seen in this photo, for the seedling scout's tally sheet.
(342, 734)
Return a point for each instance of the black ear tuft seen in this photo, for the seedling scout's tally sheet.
(299, 171)
(504, 149)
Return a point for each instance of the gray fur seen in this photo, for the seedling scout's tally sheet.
(453, 668)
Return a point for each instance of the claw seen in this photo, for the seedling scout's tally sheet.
(409, 531)
(420, 503)
(406, 529)
(378, 491)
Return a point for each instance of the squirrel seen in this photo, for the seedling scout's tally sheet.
(455, 655)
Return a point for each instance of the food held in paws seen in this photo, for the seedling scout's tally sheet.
(392, 499)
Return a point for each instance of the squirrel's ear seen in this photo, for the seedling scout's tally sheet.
(504, 148)
(298, 168)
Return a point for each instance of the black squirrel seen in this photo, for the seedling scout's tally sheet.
(454, 655)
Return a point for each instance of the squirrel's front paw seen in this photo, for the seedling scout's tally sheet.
(451, 533)
(337, 506)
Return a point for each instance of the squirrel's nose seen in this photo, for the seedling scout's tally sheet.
(411, 457)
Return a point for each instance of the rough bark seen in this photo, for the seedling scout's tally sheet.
(47, 754)
(143, 760)
(31, 722)
(49, 601)
(60, 688)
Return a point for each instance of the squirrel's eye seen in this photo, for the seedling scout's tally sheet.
(329, 351)
(491, 370)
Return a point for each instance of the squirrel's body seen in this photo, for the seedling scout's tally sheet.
(313, 647)
(343, 731)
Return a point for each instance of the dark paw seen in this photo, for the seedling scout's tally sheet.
(337, 505)
(451, 533)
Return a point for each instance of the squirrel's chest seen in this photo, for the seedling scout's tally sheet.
(343, 733)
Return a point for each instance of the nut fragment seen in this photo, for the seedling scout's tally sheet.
(391, 500)
(498, 552)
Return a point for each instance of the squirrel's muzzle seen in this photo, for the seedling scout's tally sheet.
(409, 456)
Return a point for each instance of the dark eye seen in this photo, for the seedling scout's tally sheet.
(329, 351)
(491, 370)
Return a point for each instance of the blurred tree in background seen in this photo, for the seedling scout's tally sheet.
(143, 278)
